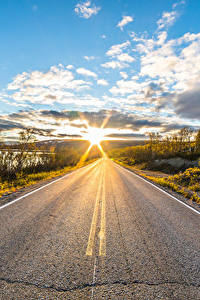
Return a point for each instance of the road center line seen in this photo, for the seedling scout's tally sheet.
(94, 278)
(102, 233)
(90, 245)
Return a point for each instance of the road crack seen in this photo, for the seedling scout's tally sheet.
(98, 284)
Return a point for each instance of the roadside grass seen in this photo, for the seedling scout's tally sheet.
(24, 180)
(186, 183)
(169, 182)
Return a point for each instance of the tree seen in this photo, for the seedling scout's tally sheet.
(26, 145)
(1, 140)
(197, 141)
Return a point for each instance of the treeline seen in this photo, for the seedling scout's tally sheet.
(25, 157)
(185, 143)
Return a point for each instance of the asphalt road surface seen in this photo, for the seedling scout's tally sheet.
(99, 233)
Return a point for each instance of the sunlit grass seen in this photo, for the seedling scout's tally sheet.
(21, 181)
(186, 183)
(186, 190)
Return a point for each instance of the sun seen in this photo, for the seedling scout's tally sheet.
(95, 135)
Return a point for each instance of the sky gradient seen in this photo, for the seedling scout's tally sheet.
(134, 63)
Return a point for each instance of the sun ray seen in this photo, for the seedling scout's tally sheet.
(105, 121)
(94, 136)
(84, 157)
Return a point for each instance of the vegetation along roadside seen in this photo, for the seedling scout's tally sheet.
(172, 161)
(28, 161)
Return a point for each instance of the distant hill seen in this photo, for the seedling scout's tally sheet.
(114, 144)
(83, 144)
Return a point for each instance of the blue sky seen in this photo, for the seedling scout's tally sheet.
(136, 61)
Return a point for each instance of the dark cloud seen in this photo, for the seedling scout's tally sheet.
(43, 132)
(152, 89)
(127, 135)
(62, 135)
(53, 114)
(170, 127)
(187, 104)
(9, 125)
(117, 120)
(53, 120)
(120, 120)
(52, 97)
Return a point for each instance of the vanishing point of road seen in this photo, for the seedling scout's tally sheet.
(100, 232)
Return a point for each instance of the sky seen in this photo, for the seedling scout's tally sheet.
(65, 65)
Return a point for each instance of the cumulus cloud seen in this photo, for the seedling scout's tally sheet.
(86, 9)
(168, 19)
(124, 75)
(176, 62)
(55, 85)
(163, 82)
(114, 65)
(126, 87)
(125, 57)
(102, 82)
(125, 20)
(117, 49)
(86, 72)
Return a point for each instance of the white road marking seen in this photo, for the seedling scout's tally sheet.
(102, 233)
(188, 206)
(91, 239)
(42, 187)
(94, 277)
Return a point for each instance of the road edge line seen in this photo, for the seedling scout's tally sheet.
(42, 187)
(158, 188)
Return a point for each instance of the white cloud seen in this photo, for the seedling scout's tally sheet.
(56, 76)
(69, 67)
(178, 3)
(124, 75)
(125, 20)
(162, 37)
(86, 9)
(125, 57)
(89, 57)
(168, 18)
(86, 72)
(126, 87)
(117, 49)
(114, 65)
(175, 62)
(102, 82)
(46, 88)
(103, 36)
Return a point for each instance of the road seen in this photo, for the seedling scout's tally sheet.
(99, 233)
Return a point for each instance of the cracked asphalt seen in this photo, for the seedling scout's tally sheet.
(99, 233)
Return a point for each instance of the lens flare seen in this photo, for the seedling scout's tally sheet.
(94, 135)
